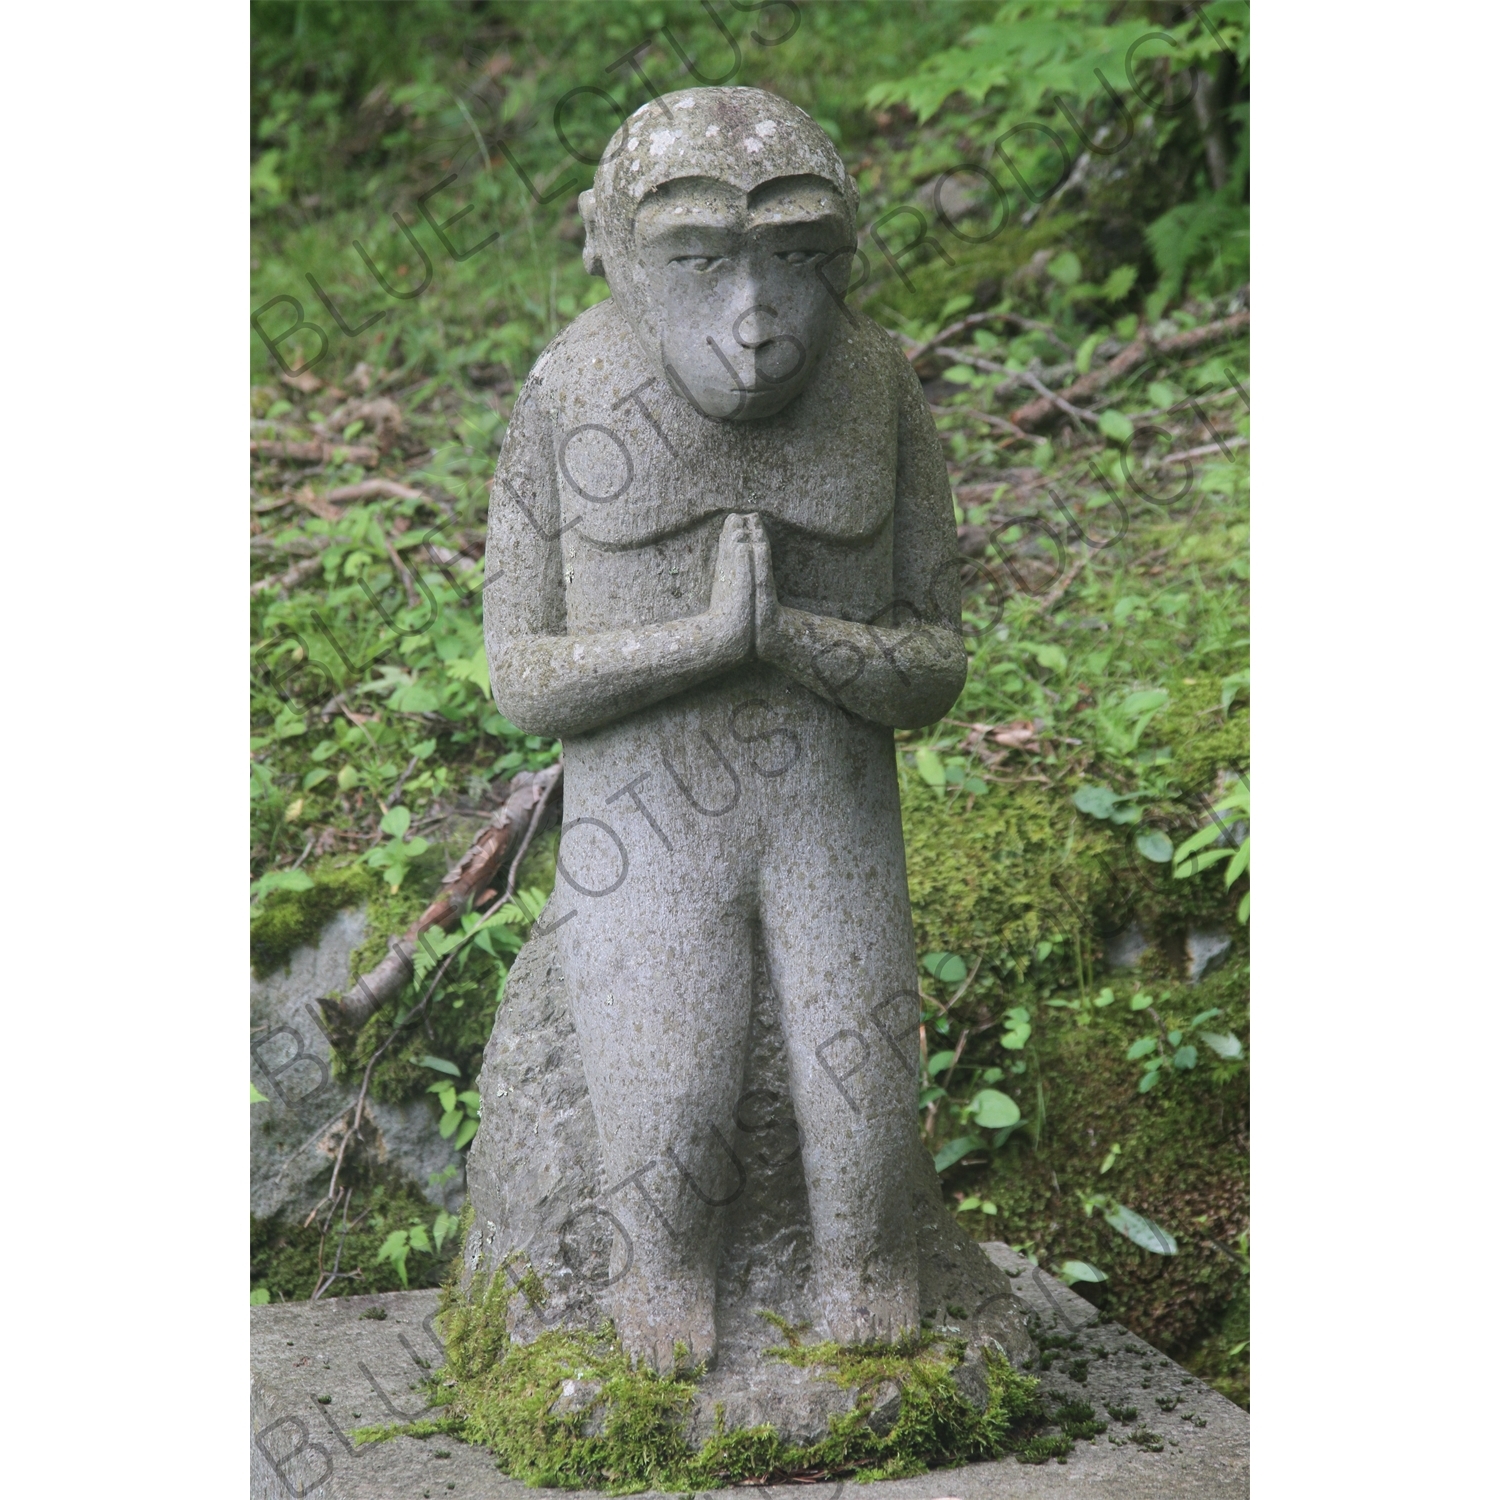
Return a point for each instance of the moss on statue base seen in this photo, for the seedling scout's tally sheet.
(569, 1410)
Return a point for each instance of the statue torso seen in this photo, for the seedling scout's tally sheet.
(644, 481)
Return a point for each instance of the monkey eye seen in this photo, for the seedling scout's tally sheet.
(796, 257)
(699, 262)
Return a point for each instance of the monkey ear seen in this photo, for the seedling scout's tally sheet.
(593, 257)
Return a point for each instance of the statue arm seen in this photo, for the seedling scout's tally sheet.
(907, 670)
(548, 682)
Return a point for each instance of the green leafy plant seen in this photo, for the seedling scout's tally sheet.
(400, 1243)
(1162, 1047)
(1136, 1227)
(396, 857)
(1080, 1270)
(1197, 853)
(460, 1113)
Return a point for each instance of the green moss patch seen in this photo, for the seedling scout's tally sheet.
(288, 920)
(569, 1410)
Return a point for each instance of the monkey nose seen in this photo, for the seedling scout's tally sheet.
(755, 326)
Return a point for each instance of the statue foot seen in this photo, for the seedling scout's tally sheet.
(666, 1332)
(865, 1317)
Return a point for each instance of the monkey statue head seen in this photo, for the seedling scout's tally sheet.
(724, 222)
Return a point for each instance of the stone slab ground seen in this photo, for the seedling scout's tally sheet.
(368, 1367)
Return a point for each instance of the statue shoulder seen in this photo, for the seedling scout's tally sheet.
(597, 342)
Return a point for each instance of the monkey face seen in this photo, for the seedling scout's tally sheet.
(734, 296)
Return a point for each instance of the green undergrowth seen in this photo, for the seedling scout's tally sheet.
(622, 1430)
(285, 1257)
(1022, 888)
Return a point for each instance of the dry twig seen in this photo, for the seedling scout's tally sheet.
(528, 795)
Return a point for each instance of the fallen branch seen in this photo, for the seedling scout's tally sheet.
(1034, 413)
(373, 489)
(295, 575)
(1078, 415)
(1000, 424)
(317, 452)
(919, 351)
(467, 883)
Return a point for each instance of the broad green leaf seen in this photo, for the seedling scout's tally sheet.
(396, 822)
(1161, 393)
(256, 1097)
(1194, 842)
(1054, 658)
(1140, 1002)
(1017, 1034)
(1239, 864)
(443, 1226)
(967, 1204)
(1242, 912)
(1174, 1037)
(440, 1065)
(939, 1062)
(1126, 813)
(1196, 863)
(282, 880)
(1085, 356)
(953, 970)
(471, 1099)
(450, 1122)
(1185, 1057)
(324, 749)
(994, 1110)
(1066, 268)
(1104, 997)
(1226, 1044)
(419, 1238)
(1110, 1158)
(1096, 801)
(1145, 702)
(1140, 1230)
(465, 1134)
(417, 698)
(317, 775)
(1230, 687)
(348, 778)
(1202, 1016)
(1116, 425)
(956, 1151)
(929, 767)
(1148, 1082)
(1118, 283)
(260, 1296)
(1140, 1047)
(1154, 845)
(1081, 1270)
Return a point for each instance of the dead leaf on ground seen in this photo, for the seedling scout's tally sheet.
(992, 742)
(306, 382)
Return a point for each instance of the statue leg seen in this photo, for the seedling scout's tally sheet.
(839, 945)
(659, 984)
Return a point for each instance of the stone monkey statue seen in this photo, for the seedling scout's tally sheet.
(723, 567)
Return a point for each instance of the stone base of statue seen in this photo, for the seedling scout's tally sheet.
(541, 1206)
